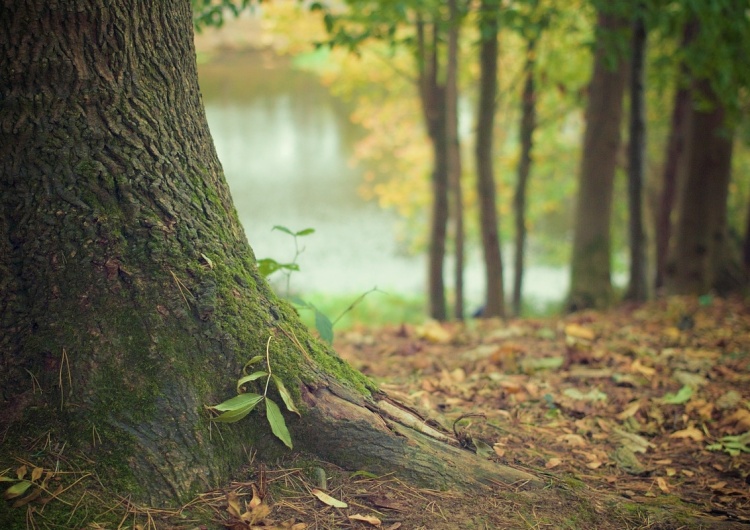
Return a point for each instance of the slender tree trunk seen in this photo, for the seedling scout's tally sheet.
(528, 125)
(487, 196)
(591, 284)
(700, 256)
(454, 154)
(432, 97)
(638, 285)
(128, 293)
(675, 148)
(746, 243)
(674, 154)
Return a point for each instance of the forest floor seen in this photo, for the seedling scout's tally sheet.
(637, 418)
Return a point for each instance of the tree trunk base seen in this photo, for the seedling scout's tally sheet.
(385, 437)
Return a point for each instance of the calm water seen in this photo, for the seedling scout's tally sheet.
(285, 143)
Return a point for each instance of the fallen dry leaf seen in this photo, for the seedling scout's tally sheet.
(327, 499)
(690, 432)
(369, 519)
(579, 332)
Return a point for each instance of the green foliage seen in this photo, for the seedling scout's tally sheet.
(268, 266)
(680, 398)
(732, 445)
(211, 12)
(236, 408)
(322, 323)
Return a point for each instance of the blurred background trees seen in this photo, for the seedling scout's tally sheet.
(538, 92)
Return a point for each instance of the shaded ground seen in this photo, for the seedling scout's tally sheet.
(636, 418)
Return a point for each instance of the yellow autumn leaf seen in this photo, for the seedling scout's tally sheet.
(256, 500)
(629, 411)
(552, 463)
(662, 483)
(639, 368)
(433, 332)
(233, 505)
(36, 473)
(327, 499)
(575, 440)
(579, 332)
(369, 519)
(690, 432)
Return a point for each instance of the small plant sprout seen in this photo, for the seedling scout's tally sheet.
(268, 266)
(236, 408)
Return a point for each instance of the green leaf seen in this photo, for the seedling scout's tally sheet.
(324, 325)
(248, 378)
(296, 300)
(305, 232)
(268, 266)
(277, 423)
(251, 362)
(18, 489)
(283, 229)
(285, 395)
(592, 395)
(682, 396)
(237, 407)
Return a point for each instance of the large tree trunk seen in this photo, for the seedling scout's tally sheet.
(638, 285)
(432, 97)
(454, 155)
(128, 292)
(591, 284)
(528, 125)
(494, 305)
(700, 254)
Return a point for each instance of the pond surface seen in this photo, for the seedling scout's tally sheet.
(285, 144)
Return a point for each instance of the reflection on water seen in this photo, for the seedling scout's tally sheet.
(285, 144)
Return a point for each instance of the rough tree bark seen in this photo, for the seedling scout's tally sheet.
(128, 292)
(528, 125)
(494, 305)
(638, 284)
(591, 284)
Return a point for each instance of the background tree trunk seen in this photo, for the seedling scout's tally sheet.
(129, 294)
(432, 97)
(700, 254)
(638, 285)
(674, 154)
(591, 284)
(487, 195)
(454, 154)
(528, 125)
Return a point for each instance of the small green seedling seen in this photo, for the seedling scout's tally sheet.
(236, 408)
(268, 266)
